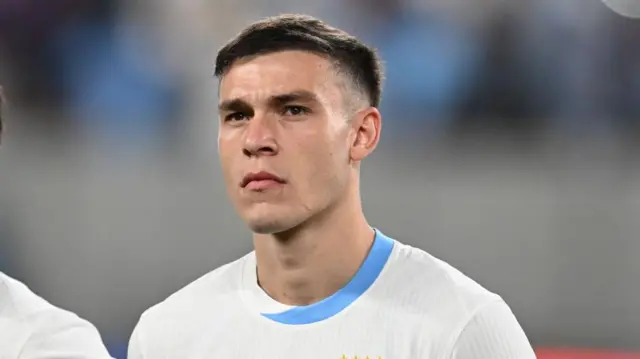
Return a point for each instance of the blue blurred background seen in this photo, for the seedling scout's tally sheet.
(510, 150)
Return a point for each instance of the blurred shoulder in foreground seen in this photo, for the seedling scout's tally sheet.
(32, 328)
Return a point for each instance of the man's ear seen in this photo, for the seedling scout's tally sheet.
(366, 128)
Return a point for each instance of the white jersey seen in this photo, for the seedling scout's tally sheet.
(32, 328)
(402, 303)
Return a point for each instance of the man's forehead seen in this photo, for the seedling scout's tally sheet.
(274, 74)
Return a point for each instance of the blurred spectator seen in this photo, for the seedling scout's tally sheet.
(430, 61)
(498, 102)
(562, 47)
(26, 31)
(118, 89)
(625, 65)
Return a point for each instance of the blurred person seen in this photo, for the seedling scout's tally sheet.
(432, 60)
(28, 31)
(298, 115)
(32, 328)
(119, 91)
(563, 57)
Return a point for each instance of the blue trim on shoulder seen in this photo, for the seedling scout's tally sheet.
(364, 278)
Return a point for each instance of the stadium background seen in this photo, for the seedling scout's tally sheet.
(509, 150)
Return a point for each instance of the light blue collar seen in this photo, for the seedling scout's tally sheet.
(364, 278)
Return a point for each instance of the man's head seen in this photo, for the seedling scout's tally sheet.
(298, 101)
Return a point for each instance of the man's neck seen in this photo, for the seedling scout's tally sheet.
(314, 261)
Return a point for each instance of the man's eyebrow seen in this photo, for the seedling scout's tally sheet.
(238, 104)
(293, 96)
(234, 105)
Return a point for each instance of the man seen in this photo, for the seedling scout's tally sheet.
(298, 114)
(32, 328)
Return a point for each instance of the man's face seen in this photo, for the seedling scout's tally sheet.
(283, 115)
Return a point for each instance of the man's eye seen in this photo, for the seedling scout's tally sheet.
(236, 116)
(295, 110)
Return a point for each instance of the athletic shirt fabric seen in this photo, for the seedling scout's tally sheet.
(32, 328)
(402, 303)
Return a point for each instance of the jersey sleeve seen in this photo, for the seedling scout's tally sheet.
(59, 334)
(493, 332)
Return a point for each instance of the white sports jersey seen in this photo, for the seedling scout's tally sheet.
(402, 303)
(32, 328)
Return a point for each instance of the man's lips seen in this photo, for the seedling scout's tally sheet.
(260, 180)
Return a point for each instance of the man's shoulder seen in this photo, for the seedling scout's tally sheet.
(214, 286)
(20, 304)
(14, 329)
(32, 325)
(463, 316)
(17, 300)
(434, 287)
(202, 303)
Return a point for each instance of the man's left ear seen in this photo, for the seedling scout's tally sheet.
(366, 126)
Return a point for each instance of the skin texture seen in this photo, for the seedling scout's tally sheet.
(286, 113)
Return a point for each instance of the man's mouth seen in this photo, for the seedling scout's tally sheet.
(261, 180)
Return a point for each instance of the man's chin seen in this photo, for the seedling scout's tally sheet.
(267, 226)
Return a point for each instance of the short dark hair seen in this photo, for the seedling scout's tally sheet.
(302, 32)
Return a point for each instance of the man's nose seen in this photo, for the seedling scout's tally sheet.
(260, 137)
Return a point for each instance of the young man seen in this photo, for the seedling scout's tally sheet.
(298, 115)
(32, 328)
